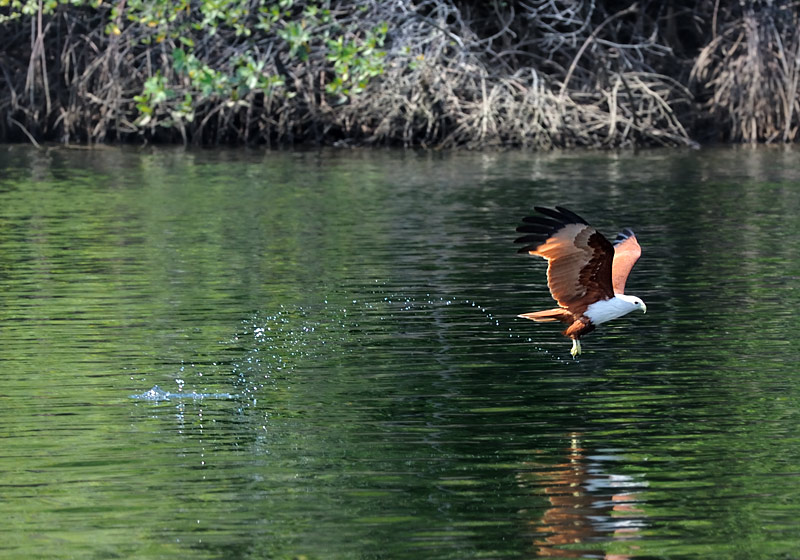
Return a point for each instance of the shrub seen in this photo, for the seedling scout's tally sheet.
(539, 73)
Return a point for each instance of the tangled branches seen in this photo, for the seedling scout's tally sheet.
(444, 73)
(750, 74)
(461, 84)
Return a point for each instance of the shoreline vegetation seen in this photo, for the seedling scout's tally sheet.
(536, 74)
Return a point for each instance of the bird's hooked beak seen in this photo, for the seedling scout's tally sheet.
(644, 308)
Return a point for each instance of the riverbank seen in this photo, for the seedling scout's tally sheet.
(436, 73)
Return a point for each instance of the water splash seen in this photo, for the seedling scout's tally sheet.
(156, 394)
(271, 348)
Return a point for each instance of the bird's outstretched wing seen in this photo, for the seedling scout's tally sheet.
(579, 258)
(626, 252)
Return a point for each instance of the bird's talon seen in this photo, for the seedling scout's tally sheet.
(576, 348)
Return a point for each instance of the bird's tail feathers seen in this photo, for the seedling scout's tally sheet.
(549, 315)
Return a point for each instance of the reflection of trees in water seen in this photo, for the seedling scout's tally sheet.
(587, 506)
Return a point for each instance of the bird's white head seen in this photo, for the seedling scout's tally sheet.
(607, 309)
(634, 301)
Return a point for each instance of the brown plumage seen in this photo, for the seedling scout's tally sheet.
(584, 268)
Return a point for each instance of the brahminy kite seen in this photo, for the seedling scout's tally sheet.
(585, 273)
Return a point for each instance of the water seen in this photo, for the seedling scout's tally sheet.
(336, 332)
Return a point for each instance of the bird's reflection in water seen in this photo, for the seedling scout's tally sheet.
(592, 512)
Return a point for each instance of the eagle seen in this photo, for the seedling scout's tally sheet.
(586, 274)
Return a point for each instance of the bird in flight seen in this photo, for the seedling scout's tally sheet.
(586, 274)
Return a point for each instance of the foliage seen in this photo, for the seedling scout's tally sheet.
(213, 56)
(433, 72)
(306, 31)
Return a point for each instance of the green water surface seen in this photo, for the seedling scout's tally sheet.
(359, 307)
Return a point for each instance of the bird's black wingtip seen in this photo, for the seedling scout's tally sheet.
(572, 215)
(555, 216)
(540, 228)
